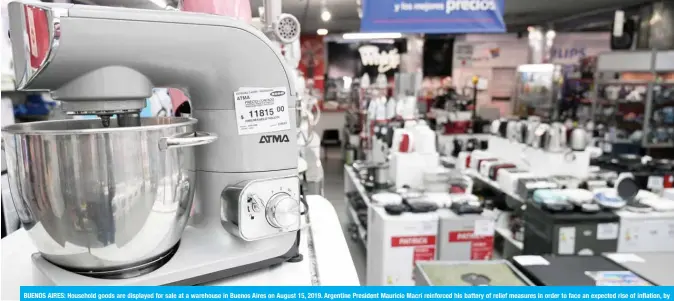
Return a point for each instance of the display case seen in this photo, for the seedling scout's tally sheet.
(634, 97)
(538, 90)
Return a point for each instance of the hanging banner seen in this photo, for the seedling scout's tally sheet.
(433, 16)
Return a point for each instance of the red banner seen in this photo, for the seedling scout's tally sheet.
(413, 241)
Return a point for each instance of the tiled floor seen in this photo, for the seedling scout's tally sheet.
(334, 191)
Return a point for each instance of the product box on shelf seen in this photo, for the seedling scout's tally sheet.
(408, 168)
(508, 179)
(646, 232)
(476, 158)
(463, 161)
(464, 237)
(569, 233)
(396, 242)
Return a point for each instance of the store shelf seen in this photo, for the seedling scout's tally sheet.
(353, 215)
(355, 182)
(493, 185)
(508, 236)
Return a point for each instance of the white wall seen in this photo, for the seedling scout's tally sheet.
(512, 51)
(330, 120)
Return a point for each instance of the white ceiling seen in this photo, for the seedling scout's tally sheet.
(518, 13)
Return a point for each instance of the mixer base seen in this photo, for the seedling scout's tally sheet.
(130, 271)
(200, 259)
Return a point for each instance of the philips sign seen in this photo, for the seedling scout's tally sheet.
(433, 16)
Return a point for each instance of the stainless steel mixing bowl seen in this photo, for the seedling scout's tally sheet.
(101, 200)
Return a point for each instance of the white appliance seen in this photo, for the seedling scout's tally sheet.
(646, 232)
(396, 242)
(465, 237)
(241, 203)
(408, 168)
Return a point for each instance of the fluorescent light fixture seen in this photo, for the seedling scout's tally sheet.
(322, 32)
(373, 36)
(326, 15)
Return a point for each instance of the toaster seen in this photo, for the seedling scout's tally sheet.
(495, 168)
(527, 186)
(477, 156)
(486, 165)
(508, 179)
(463, 161)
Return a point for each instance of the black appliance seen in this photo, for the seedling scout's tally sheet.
(569, 233)
(626, 40)
(438, 55)
(576, 271)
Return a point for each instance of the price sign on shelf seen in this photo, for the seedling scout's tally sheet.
(261, 110)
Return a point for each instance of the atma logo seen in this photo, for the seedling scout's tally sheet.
(274, 139)
(469, 5)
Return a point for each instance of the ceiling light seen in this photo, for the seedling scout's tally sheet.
(326, 15)
(322, 32)
(367, 36)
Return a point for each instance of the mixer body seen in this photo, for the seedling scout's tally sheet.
(106, 61)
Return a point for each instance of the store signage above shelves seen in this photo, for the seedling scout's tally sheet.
(433, 16)
(370, 55)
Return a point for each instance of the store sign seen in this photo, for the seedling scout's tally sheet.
(433, 16)
(370, 55)
(568, 53)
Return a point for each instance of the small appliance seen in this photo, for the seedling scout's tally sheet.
(195, 216)
(400, 239)
(508, 179)
(569, 232)
(382, 199)
(552, 200)
(579, 139)
(646, 231)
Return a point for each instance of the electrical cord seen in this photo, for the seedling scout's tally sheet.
(303, 197)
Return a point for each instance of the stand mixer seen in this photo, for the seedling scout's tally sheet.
(105, 61)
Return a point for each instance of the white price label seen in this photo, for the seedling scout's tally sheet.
(262, 110)
(625, 257)
(529, 260)
(655, 182)
(484, 227)
(607, 231)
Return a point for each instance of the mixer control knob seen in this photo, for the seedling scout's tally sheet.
(283, 211)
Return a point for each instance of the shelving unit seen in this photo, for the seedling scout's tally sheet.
(352, 183)
(634, 97)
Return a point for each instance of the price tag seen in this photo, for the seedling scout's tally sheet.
(625, 257)
(261, 110)
(607, 231)
(528, 260)
(484, 227)
(655, 182)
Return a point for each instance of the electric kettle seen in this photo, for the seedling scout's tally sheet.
(403, 139)
(532, 125)
(579, 139)
(522, 131)
(495, 126)
(557, 141)
(541, 136)
(512, 130)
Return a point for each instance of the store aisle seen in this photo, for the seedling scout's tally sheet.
(334, 191)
